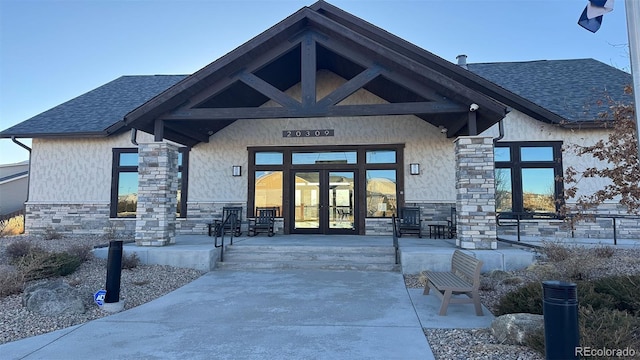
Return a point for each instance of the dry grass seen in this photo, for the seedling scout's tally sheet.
(13, 226)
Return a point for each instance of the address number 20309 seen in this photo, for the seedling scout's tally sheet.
(307, 133)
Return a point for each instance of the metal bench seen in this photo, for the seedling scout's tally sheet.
(464, 278)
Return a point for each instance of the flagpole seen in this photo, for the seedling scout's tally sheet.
(632, 8)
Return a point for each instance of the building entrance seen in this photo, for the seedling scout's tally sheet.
(326, 189)
(324, 202)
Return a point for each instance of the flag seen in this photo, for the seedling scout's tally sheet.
(591, 17)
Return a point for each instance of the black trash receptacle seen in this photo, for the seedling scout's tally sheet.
(560, 309)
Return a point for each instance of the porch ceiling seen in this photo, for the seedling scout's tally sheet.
(317, 38)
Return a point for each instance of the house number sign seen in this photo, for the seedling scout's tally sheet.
(307, 133)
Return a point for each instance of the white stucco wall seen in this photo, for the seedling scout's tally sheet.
(75, 170)
(521, 127)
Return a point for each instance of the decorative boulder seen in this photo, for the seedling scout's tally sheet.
(513, 329)
(52, 298)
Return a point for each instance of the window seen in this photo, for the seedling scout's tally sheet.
(324, 157)
(381, 193)
(375, 170)
(268, 189)
(381, 157)
(124, 183)
(525, 176)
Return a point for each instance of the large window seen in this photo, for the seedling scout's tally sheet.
(381, 173)
(381, 193)
(527, 176)
(124, 183)
(377, 173)
(268, 190)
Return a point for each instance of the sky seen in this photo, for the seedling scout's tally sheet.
(52, 51)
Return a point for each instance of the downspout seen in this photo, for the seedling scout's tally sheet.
(24, 227)
(500, 129)
(500, 132)
(134, 135)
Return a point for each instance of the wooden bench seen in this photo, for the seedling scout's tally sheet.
(464, 278)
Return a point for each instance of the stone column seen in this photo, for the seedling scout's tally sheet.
(475, 193)
(157, 194)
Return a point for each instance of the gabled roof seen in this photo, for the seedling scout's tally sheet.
(576, 90)
(291, 52)
(188, 109)
(95, 112)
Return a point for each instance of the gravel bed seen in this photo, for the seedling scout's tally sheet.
(137, 286)
(147, 282)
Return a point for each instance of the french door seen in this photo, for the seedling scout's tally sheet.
(324, 202)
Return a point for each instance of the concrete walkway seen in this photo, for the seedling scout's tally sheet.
(295, 314)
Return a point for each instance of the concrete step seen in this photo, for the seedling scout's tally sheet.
(309, 257)
(318, 265)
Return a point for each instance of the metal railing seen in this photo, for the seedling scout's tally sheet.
(519, 216)
(219, 231)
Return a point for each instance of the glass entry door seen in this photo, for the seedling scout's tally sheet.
(324, 202)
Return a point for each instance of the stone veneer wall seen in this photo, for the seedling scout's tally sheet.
(67, 218)
(157, 194)
(475, 193)
(597, 228)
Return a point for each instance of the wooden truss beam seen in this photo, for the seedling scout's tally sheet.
(342, 110)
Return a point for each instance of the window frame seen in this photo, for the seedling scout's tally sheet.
(116, 169)
(360, 167)
(516, 165)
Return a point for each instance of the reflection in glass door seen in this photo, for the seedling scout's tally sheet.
(307, 200)
(341, 200)
(324, 202)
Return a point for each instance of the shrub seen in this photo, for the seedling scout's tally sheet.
(18, 249)
(555, 252)
(623, 290)
(525, 299)
(620, 293)
(42, 265)
(598, 329)
(12, 226)
(130, 261)
(604, 252)
(83, 252)
(11, 281)
(607, 328)
(488, 283)
(51, 234)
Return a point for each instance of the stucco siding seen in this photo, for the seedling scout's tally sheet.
(74, 170)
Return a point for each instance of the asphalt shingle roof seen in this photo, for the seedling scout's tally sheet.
(575, 89)
(96, 110)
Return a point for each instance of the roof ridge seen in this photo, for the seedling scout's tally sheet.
(529, 61)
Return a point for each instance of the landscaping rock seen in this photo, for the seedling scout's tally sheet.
(52, 298)
(513, 329)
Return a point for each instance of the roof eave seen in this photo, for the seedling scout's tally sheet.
(92, 134)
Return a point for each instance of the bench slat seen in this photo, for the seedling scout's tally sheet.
(448, 281)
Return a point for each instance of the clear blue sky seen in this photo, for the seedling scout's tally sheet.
(52, 51)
